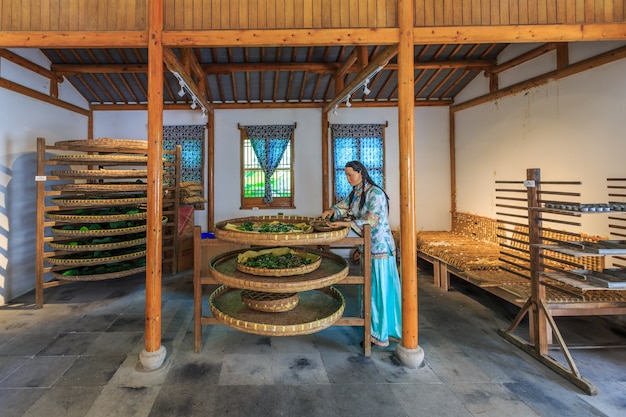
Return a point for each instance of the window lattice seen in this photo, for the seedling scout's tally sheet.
(364, 143)
(191, 140)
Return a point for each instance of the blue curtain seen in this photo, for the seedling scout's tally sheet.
(269, 144)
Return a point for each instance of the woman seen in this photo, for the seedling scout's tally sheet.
(369, 203)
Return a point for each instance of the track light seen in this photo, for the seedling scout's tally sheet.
(366, 90)
(194, 105)
(335, 110)
(348, 104)
(181, 92)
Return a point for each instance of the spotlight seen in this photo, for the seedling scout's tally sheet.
(194, 105)
(181, 92)
(335, 110)
(348, 104)
(366, 90)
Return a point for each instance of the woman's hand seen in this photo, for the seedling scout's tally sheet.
(327, 214)
(341, 224)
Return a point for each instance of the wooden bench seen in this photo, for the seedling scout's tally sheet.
(470, 245)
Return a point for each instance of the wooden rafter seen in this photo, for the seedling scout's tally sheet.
(174, 65)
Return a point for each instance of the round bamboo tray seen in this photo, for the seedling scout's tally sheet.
(315, 311)
(93, 218)
(105, 144)
(99, 277)
(102, 173)
(99, 201)
(107, 187)
(100, 232)
(333, 268)
(87, 159)
(68, 247)
(270, 302)
(64, 260)
(277, 239)
(282, 272)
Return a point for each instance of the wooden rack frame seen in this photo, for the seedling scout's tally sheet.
(365, 279)
(540, 312)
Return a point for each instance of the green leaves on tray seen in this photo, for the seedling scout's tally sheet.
(105, 269)
(104, 253)
(101, 226)
(106, 240)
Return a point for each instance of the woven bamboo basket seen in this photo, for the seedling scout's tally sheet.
(99, 277)
(87, 218)
(269, 302)
(333, 268)
(68, 247)
(283, 272)
(104, 144)
(315, 311)
(107, 187)
(102, 173)
(64, 260)
(87, 159)
(100, 232)
(277, 239)
(99, 201)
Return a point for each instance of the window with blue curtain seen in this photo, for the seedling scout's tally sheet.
(267, 168)
(357, 142)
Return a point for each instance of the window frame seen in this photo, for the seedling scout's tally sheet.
(248, 203)
(335, 198)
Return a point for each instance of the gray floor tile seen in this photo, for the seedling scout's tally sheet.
(124, 402)
(15, 401)
(246, 369)
(64, 401)
(350, 368)
(298, 369)
(69, 344)
(367, 399)
(91, 370)
(429, 399)
(39, 372)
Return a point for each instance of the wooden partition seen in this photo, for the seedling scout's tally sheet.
(185, 15)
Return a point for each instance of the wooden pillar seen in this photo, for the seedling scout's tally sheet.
(211, 171)
(406, 124)
(325, 152)
(154, 239)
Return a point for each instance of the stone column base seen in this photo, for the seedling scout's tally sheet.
(411, 358)
(151, 361)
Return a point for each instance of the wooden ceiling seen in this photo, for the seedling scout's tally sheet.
(264, 76)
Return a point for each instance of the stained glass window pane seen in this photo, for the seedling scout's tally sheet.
(191, 140)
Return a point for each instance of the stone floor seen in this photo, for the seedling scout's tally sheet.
(78, 356)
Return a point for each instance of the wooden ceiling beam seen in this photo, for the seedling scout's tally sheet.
(596, 61)
(174, 65)
(216, 69)
(520, 59)
(379, 60)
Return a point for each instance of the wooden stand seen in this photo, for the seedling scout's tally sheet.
(541, 313)
(202, 277)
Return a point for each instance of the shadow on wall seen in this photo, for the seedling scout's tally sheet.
(18, 228)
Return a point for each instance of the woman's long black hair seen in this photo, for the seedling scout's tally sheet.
(359, 167)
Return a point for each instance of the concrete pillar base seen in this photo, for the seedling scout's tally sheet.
(151, 361)
(411, 358)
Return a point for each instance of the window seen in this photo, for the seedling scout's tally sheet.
(191, 140)
(267, 166)
(364, 143)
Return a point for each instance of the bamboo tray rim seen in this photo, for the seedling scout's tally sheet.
(105, 143)
(101, 173)
(225, 272)
(278, 239)
(303, 327)
(99, 277)
(104, 187)
(282, 272)
(94, 159)
(97, 246)
(95, 218)
(269, 302)
(102, 232)
(95, 261)
(97, 202)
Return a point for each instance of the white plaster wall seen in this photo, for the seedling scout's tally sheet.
(572, 129)
(22, 120)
